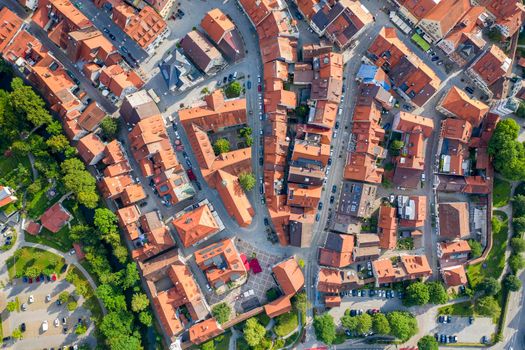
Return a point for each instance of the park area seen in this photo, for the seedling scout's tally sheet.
(33, 262)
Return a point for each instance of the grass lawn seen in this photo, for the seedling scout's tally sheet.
(463, 309)
(286, 324)
(501, 192)
(8, 164)
(495, 262)
(59, 240)
(27, 257)
(39, 203)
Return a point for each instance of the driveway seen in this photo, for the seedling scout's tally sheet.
(466, 333)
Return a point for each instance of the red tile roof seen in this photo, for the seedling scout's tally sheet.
(10, 23)
(387, 227)
(205, 330)
(289, 276)
(196, 225)
(55, 217)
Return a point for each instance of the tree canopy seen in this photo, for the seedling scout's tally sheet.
(428, 342)
(512, 283)
(27, 103)
(221, 312)
(380, 324)
(253, 332)
(247, 181)
(507, 152)
(78, 180)
(417, 294)
(488, 306)
(403, 325)
(233, 90)
(489, 286)
(109, 127)
(139, 302)
(437, 293)
(516, 263)
(222, 145)
(325, 329)
(517, 244)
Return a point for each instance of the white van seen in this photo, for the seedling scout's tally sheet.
(44, 326)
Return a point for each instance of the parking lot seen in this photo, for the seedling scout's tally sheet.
(365, 303)
(40, 310)
(258, 283)
(466, 332)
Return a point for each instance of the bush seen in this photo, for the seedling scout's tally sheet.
(437, 292)
(11, 306)
(81, 329)
(512, 283)
(428, 342)
(489, 286)
(487, 306)
(247, 181)
(221, 312)
(63, 297)
(72, 306)
(517, 244)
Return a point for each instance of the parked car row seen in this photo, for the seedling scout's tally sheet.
(41, 278)
(444, 319)
(445, 339)
(388, 294)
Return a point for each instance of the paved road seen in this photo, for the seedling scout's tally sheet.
(100, 18)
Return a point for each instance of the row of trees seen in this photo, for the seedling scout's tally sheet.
(401, 325)
(26, 126)
(507, 152)
(419, 293)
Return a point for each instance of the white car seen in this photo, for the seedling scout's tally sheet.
(24, 307)
(31, 299)
(48, 298)
(57, 322)
(44, 326)
(72, 252)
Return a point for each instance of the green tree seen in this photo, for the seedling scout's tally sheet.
(494, 34)
(253, 331)
(77, 180)
(28, 103)
(131, 342)
(300, 302)
(512, 283)
(325, 329)
(111, 299)
(209, 345)
(120, 252)
(488, 306)
(233, 90)
(222, 145)
(34, 188)
(54, 128)
(285, 323)
(507, 152)
(221, 312)
(475, 248)
(81, 329)
(20, 148)
(72, 306)
(518, 205)
(417, 294)
(139, 302)
(403, 325)
(247, 181)
(105, 221)
(396, 145)
(364, 323)
(300, 262)
(17, 334)
(518, 224)
(63, 297)
(349, 322)
(145, 318)
(110, 127)
(380, 324)
(11, 306)
(517, 244)
(57, 143)
(428, 342)
(437, 293)
(489, 286)
(516, 263)
(246, 131)
(131, 276)
(301, 111)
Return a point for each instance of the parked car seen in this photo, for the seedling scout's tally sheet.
(334, 188)
(336, 125)
(332, 199)
(317, 217)
(57, 322)
(31, 299)
(266, 222)
(471, 320)
(48, 298)
(320, 206)
(434, 59)
(23, 327)
(111, 36)
(249, 84)
(469, 90)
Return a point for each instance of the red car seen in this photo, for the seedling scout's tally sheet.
(259, 88)
(30, 280)
(37, 279)
(53, 277)
(191, 175)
